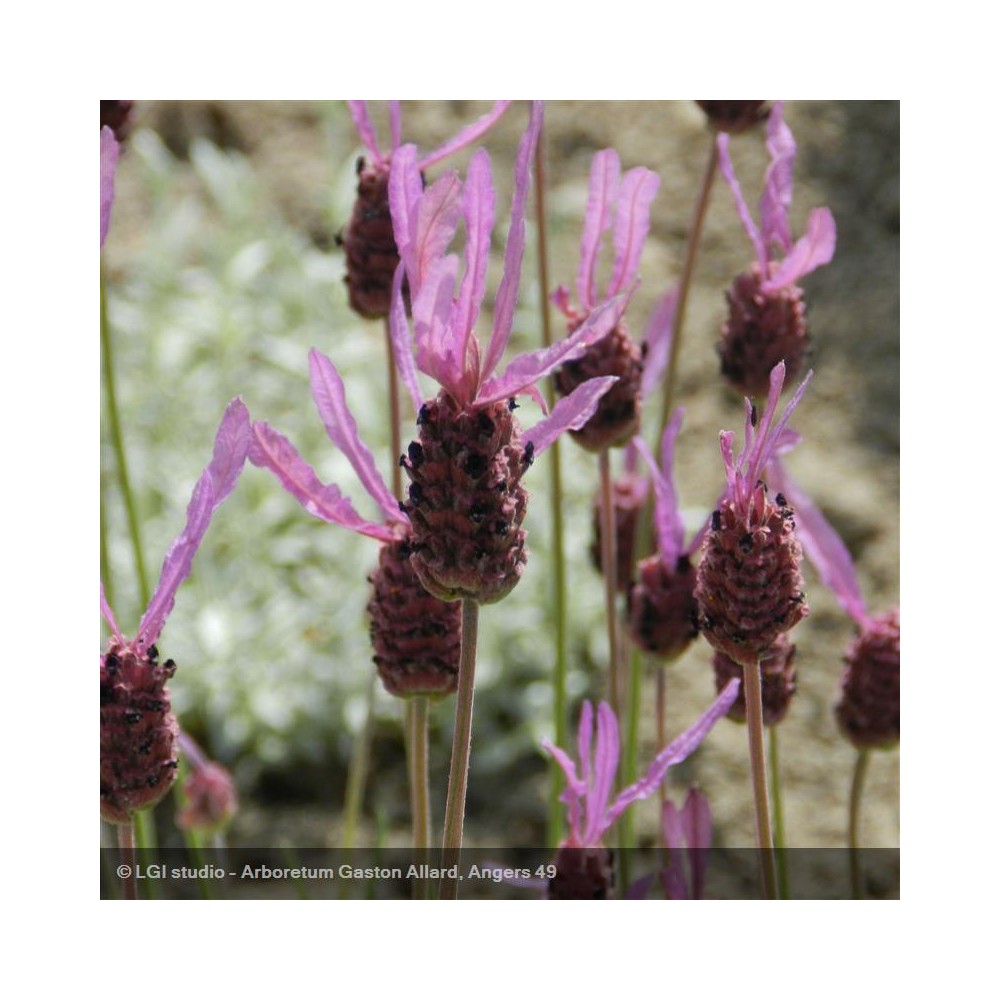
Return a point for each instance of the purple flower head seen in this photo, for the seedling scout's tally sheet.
(687, 832)
(767, 317)
(466, 499)
(138, 729)
(109, 160)
(750, 586)
(868, 710)
(369, 246)
(415, 636)
(620, 203)
(733, 116)
(209, 794)
(591, 810)
(662, 614)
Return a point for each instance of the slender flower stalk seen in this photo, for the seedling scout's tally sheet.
(749, 588)
(854, 823)
(777, 811)
(583, 863)
(560, 711)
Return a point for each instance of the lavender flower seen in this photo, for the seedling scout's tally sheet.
(733, 117)
(583, 863)
(209, 794)
(662, 614)
(416, 637)
(750, 587)
(868, 710)
(109, 160)
(466, 501)
(623, 202)
(368, 240)
(138, 728)
(766, 321)
(687, 832)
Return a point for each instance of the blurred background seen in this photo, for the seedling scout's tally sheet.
(223, 271)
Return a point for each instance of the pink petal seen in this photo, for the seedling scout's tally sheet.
(823, 546)
(467, 136)
(667, 517)
(569, 414)
(506, 298)
(363, 124)
(658, 336)
(776, 201)
(109, 160)
(575, 788)
(331, 402)
(673, 831)
(216, 483)
(108, 614)
(771, 436)
(271, 450)
(432, 325)
(402, 341)
(584, 735)
(742, 209)
(395, 127)
(680, 749)
(405, 190)
(478, 204)
(530, 367)
(638, 189)
(696, 817)
(605, 170)
(437, 213)
(811, 251)
(605, 771)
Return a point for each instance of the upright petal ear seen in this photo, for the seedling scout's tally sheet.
(363, 125)
(271, 450)
(776, 200)
(658, 336)
(606, 755)
(680, 749)
(216, 483)
(467, 136)
(638, 189)
(605, 171)
(479, 202)
(402, 340)
(742, 209)
(506, 299)
(331, 402)
(667, 517)
(109, 160)
(108, 614)
(569, 414)
(395, 126)
(811, 251)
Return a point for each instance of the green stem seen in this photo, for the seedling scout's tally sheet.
(461, 747)
(758, 770)
(357, 772)
(609, 563)
(778, 811)
(556, 822)
(854, 823)
(419, 709)
(126, 848)
(627, 837)
(118, 442)
(687, 273)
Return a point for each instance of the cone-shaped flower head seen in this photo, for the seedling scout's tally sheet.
(209, 794)
(138, 728)
(733, 116)
(368, 242)
(466, 501)
(687, 832)
(591, 810)
(416, 638)
(621, 202)
(767, 321)
(662, 614)
(109, 160)
(868, 710)
(750, 587)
